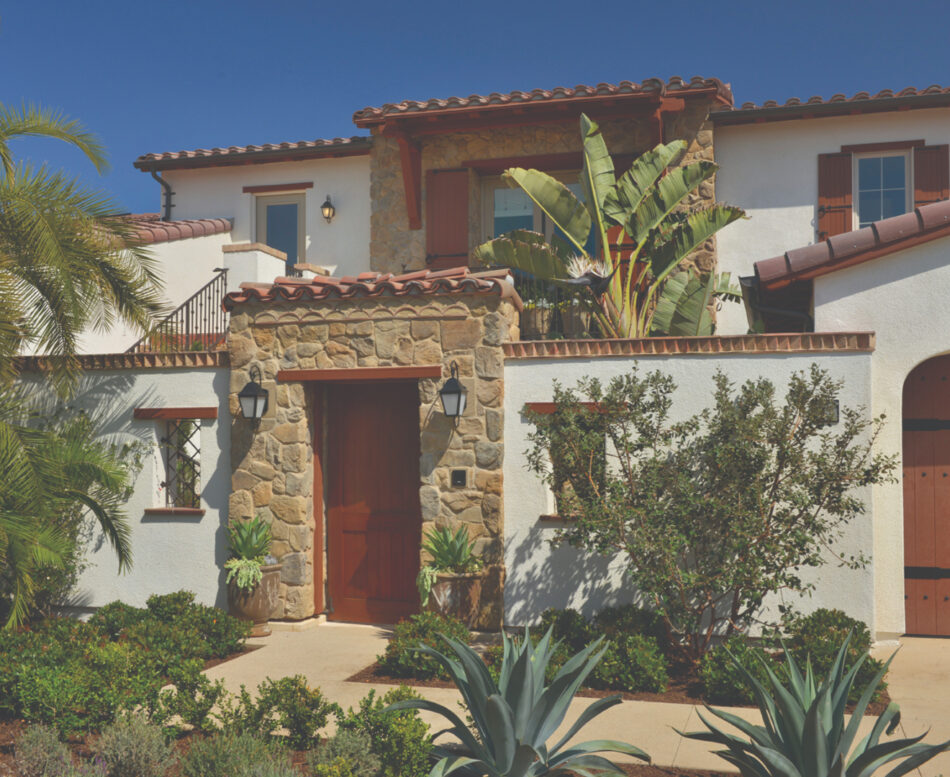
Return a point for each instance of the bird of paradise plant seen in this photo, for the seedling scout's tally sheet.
(643, 229)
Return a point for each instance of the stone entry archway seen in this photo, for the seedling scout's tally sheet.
(296, 330)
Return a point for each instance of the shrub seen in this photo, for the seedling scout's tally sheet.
(349, 752)
(568, 626)
(170, 607)
(401, 658)
(39, 753)
(115, 616)
(818, 636)
(630, 619)
(400, 739)
(190, 702)
(231, 755)
(291, 704)
(133, 747)
(724, 681)
(631, 662)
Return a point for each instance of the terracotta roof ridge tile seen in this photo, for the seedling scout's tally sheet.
(150, 228)
(882, 238)
(404, 107)
(838, 97)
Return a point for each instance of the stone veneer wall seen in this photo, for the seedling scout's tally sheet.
(272, 463)
(395, 248)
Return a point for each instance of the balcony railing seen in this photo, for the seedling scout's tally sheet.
(198, 324)
(551, 311)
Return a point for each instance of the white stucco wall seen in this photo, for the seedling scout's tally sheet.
(538, 577)
(771, 170)
(169, 552)
(184, 266)
(217, 193)
(903, 297)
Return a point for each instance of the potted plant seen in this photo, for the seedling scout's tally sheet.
(253, 575)
(451, 583)
(575, 318)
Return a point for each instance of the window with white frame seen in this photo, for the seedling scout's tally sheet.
(882, 186)
(281, 224)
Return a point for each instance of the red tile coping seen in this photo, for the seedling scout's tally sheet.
(836, 105)
(888, 236)
(132, 361)
(456, 280)
(173, 413)
(245, 155)
(150, 228)
(675, 86)
(810, 342)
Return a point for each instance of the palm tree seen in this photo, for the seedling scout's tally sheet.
(67, 263)
(643, 230)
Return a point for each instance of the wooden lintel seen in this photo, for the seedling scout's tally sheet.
(173, 413)
(360, 374)
(548, 162)
(548, 408)
(411, 159)
(277, 187)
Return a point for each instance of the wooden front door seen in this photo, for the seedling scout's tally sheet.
(373, 515)
(926, 450)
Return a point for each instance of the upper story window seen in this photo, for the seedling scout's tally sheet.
(505, 209)
(869, 182)
(281, 224)
(883, 187)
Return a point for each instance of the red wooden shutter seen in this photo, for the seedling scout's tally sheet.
(446, 218)
(834, 195)
(931, 174)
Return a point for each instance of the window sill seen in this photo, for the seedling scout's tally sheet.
(174, 511)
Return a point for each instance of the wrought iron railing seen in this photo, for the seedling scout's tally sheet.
(198, 324)
(551, 311)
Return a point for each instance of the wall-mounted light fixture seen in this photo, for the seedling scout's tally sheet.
(253, 397)
(453, 395)
(328, 210)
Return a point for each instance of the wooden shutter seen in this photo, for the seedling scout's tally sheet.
(834, 195)
(931, 174)
(446, 218)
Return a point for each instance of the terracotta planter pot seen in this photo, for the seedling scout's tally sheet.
(536, 323)
(575, 321)
(457, 596)
(258, 604)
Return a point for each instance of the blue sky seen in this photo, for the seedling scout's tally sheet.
(179, 74)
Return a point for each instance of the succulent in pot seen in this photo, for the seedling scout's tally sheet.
(253, 574)
(451, 583)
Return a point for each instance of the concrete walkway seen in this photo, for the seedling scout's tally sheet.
(328, 654)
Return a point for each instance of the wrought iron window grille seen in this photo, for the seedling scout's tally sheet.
(182, 456)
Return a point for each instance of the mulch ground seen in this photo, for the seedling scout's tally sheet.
(684, 688)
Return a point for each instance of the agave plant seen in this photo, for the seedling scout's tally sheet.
(451, 552)
(249, 543)
(805, 733)
(515, 717)
(641, 288)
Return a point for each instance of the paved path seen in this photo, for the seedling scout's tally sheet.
(329, 653)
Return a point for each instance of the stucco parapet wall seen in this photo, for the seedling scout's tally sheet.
(131, 361)
(813, 342)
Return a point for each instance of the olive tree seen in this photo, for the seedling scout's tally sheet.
(719, 510)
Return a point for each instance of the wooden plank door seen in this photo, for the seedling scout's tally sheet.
(926, 452)
(373, 515)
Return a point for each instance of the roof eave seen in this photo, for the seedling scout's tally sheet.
(821, 110)
(361, 147)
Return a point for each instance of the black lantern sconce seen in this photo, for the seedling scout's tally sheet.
(453, 395)
(253, 397)
(328, 210)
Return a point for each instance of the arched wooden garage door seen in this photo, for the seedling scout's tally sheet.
(926, 450)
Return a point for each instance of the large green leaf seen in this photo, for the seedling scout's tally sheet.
(631, 187)
(665, 196)
(682, 309)
(557, 202)
(528, 252)
(597, 175)
(690, 233)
